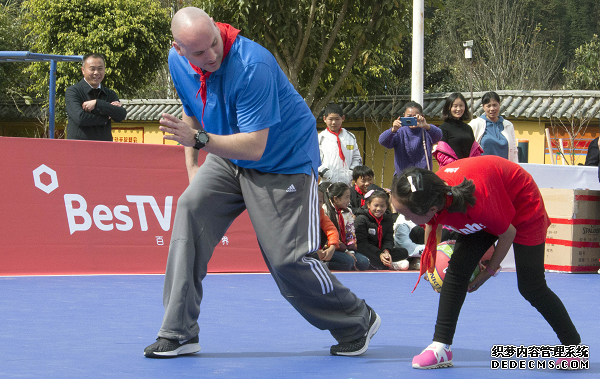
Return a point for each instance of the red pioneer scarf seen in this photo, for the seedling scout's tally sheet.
(379, 229)
(340, 151)
(430, 251)
(228, 35)
(362, 200)
(342, 225)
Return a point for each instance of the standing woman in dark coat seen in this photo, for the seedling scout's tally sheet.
(458, 140)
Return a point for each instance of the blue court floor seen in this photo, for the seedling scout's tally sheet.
(98, 326)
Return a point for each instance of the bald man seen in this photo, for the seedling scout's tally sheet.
(263, 154)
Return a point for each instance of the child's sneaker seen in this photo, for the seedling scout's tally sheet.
(414, 264)
(400, 265)
(436, 355)
(168, 348)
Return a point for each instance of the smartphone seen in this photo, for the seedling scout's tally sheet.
(408, 121)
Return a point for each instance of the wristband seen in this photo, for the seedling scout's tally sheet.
(492, 272)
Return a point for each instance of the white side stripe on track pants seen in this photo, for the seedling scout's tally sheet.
(321, 273)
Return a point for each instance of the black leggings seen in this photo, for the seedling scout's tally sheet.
(529, 261)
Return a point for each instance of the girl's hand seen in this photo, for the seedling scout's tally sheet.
(386, 258)
(342, 247)
(321, 254)
(481, 278)
(328, 253)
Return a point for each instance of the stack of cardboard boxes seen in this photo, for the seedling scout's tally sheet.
(573, 239)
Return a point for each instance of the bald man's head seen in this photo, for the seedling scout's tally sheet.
(197, 37)
(186, 18)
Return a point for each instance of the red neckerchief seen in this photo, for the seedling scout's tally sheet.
(340, 151)
(228, 35)
(429, 253)
(342, 225)
(362, 199)
(379, 228)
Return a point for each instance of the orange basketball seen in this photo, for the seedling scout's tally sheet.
(443, 255)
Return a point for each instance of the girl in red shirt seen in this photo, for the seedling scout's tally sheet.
(486, 199)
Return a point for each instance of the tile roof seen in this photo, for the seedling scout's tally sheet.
(515, 105)
(521, 105)
(9, 111)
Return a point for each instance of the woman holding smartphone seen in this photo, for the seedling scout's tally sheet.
(412, 141)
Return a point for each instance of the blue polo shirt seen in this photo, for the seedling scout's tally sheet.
(250, 92)
(493, 142)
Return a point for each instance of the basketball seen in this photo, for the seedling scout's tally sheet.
(443, 254)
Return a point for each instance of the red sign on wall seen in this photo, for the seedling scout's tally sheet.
(86, 207)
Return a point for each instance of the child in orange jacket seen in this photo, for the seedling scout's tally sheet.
(330, 238)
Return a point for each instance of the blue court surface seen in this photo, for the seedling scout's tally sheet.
(98, 326)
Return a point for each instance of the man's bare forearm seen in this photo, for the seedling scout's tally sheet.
(191, 162)
(242, 146)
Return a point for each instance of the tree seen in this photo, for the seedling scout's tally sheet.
(586, 73)
(510, 48)
(573, 128)
(568, 23)
(388, 72)
(12, 38)
(317, 43)
(132, 35)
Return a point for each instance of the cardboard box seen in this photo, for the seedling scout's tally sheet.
(573, 239)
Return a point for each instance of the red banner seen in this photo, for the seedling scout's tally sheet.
(86, 207)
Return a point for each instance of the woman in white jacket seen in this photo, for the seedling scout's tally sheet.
(495, 134)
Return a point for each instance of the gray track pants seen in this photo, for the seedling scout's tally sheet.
(287, 227)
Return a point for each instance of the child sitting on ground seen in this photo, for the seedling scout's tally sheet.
(375, 233)
(363, 178)
(345, 258)
(330, 238)
(411, 236)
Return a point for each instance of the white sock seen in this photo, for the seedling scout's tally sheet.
(439, 345)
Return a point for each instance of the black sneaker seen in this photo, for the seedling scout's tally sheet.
(360, 345)
(167, 348)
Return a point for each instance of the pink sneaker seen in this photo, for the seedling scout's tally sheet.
(436, 355)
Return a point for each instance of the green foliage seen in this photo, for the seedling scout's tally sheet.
(389, 71)
(298, 34)
(132, 35)
(586, 74)
(512, 47)
(568, 23)
(12, 38)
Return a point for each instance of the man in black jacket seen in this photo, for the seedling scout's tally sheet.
(91, 106)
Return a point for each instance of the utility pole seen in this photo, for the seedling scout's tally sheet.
(418, 51)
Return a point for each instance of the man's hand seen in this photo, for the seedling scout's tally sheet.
(89, 105)
(181, 131)
(116, 103)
